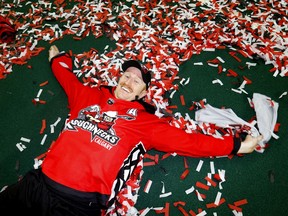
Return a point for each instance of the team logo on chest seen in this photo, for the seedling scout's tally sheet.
(99, 124)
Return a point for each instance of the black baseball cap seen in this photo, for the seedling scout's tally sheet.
(146, 75)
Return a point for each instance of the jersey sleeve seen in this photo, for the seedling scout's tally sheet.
(168, 138)
(62, 69)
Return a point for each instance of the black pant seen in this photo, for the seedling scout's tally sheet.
(34, 195)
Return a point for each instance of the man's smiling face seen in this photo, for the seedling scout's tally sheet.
(130, 85)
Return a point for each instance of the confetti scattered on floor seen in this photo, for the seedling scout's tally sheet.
(162, 35)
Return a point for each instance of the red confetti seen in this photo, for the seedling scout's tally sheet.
(184, 174)
(44, 83)
(233, 54)
(213, 183)
(182, 100)
(241, 202)
(213, 205)
(151, 163)
(179, 203)
(185, 163)
(276, 128)
(43, 126)
(248, 81)
(233, 207)
(201, 185)
(182, 210)
(232, 73)
(164, 210)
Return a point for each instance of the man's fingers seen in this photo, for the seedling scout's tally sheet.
(259, 138)
(249, 144)
(53, 51)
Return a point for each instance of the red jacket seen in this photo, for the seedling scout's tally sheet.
(105, 137)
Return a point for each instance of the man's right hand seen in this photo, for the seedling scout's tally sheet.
(249, 144)
(53, 51)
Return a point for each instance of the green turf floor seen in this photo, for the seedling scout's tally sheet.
(260, 178)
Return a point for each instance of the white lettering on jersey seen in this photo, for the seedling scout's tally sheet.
(132, 112)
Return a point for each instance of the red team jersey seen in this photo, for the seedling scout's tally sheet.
(105, 137)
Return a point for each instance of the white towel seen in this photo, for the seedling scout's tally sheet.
(224, 118)
(266, 114)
